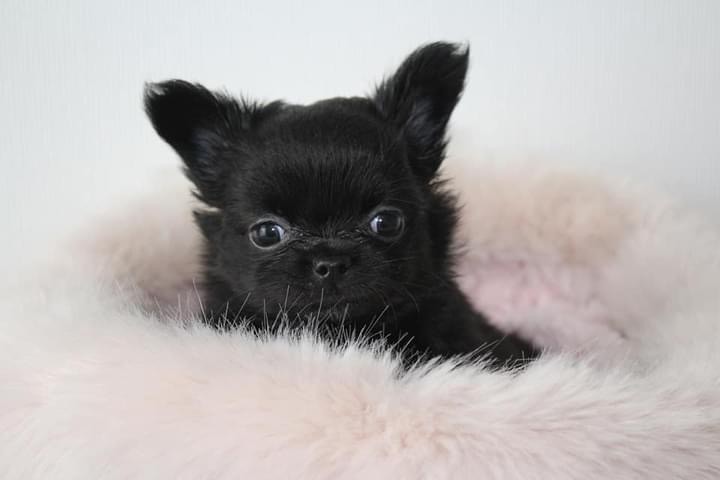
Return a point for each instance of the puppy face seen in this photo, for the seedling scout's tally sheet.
(322, 208)
(327, 206)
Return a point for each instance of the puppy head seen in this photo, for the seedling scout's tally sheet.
(332, 203)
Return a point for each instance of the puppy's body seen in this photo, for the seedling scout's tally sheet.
(332, 212)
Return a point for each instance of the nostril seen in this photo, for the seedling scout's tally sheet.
(322, 270)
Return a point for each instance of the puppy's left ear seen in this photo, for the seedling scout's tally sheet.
(419, 99)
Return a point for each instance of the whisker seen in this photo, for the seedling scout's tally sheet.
(200, 302)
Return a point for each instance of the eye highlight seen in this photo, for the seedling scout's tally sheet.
(267, 234)
(387, 224)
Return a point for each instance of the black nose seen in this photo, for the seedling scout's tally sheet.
(331, 268)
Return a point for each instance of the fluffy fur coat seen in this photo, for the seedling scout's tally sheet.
(103, 374)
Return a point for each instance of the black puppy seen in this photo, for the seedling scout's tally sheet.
(331, 212)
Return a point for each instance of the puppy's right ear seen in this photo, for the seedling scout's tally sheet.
(202, 126)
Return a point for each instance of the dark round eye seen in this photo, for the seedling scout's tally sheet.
(267, 234)
(387, 223)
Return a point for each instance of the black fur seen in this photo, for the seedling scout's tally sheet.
(321, 171)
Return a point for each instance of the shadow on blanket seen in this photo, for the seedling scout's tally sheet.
(103, 373)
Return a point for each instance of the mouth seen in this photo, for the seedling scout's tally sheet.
(329, 302)
(337, 306)
(333, 302)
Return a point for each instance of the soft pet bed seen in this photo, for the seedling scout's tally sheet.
(104, 374)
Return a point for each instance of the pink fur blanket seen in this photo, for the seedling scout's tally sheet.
(103, 373)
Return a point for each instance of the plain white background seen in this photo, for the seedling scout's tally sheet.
(630, 87)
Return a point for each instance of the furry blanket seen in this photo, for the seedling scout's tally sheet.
(104, 374)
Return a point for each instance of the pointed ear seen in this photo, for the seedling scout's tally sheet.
(419, 99)
(201, 126)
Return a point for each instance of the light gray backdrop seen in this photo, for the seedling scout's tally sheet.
(628, 86)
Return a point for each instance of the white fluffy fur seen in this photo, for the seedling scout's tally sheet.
(98, 381)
